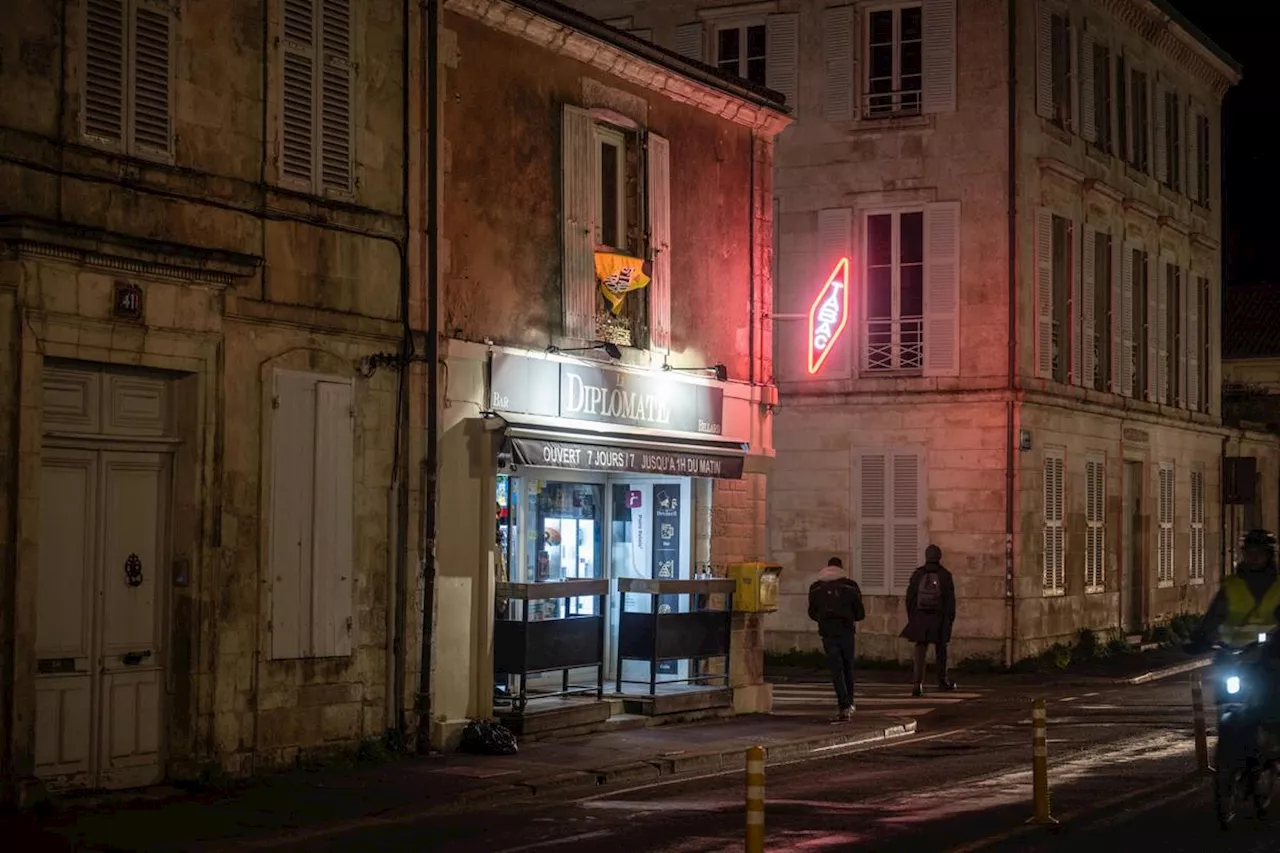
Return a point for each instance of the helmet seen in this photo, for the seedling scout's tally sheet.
(1259, 538)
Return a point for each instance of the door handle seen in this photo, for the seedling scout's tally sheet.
(134, 658)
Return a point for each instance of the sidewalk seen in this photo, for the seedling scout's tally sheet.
(298, 801)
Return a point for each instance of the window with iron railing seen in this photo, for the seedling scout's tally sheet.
(895, 291)
(894, 51)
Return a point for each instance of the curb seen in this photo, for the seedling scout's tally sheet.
(1166, 672)
(673, 766)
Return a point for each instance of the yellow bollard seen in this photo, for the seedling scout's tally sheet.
(755, 799)
(1197, 719)
(1040, 764)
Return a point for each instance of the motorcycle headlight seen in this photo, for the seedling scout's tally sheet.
(1233, 684)
(1262, 636)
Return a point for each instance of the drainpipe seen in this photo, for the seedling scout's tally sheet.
(431, 117)
(751, 266)
(1010, 457)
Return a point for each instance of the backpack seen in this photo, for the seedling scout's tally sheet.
(830, 604)
(929, 594)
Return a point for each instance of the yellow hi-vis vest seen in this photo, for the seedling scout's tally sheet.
(1248, 617)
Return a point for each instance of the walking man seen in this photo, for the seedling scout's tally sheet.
(931, 611)
(835, 603)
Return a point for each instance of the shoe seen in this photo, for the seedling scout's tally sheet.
(917, 691)
(947, 685)
(845, 714)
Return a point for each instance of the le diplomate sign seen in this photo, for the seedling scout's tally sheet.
(828, 316)
(597, 393)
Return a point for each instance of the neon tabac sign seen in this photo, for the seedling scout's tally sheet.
(828, 315)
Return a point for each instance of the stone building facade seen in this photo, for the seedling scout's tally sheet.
(1025, 192)
(607, 152)
(206, 261)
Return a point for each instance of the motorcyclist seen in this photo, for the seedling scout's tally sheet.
(1248, 602)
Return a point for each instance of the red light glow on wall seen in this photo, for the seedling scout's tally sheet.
(828, 315)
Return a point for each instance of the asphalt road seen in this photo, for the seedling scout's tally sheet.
(1122, 762)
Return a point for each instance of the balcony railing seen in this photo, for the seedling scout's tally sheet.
(904, 102)
(895, 344)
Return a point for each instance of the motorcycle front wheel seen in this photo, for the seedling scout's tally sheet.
(1230, 788)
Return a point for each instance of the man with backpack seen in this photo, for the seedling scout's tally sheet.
(931, 611)
(835, 603)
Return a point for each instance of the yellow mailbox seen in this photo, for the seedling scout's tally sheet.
(757, 590)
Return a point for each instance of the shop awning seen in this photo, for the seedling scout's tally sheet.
(543, 445)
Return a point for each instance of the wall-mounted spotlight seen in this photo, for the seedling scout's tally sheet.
(721, 372)
(607, 348)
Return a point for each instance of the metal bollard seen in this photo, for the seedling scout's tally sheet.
(755, 799)
(1197, 719)
(1040, 764)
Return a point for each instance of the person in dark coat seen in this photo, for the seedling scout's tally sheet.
(931, 611)
(835, 603)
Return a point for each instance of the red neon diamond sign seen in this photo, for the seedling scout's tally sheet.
(828, 315)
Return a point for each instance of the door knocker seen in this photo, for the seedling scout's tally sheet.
(133, 570)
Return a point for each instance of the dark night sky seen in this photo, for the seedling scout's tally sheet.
(1251, 174)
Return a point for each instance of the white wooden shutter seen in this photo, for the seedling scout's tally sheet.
(1127, 354)
(290, 523)
(1192, 135)
(942, 289)
(907, 497)
(1116, 316)
(577, 164)
(1054, 537)
(151, 73)
(659, 207)
(335, 96)
(298, 104)
(1088, 347)
(835, 239)
(333, 554)
(938, 93)
(1164, 542)
(1095, 519)
(1044, 293)
(873, 522)
(690, 42)
(1044, 60)
(782, 47)
(837, 53)
(1088, 125)
(104, 83)
(1161, 123)
(1192, 342)
(1161, 373)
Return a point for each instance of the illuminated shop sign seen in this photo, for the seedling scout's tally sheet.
(828, 315)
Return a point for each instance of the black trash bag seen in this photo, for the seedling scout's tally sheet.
(488, 737)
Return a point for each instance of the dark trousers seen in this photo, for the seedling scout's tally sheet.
(840, 660)
(939, 657)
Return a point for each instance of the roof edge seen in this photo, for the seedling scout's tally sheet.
(1231, 65)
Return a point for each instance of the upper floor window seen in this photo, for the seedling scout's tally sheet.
(1122, 107)
(1055, 66)
(1171, 342)
(1173, 141)
(128, 75)
(1103, 311)
(894, 51)
(895, 291)
(1204, 344)
(316, 140)
(1102, 89)
(740, 50)
(617, 232)
(1060, 57)
(1139, 121)
(1141, 336)
(1203, 159)
(1055, 336)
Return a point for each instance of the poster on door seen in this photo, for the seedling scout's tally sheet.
(666, 550)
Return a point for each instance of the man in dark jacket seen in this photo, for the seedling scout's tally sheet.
(931, 611)
(835, 603)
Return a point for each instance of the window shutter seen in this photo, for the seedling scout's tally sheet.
(1088, 126)
(1054, 541)
(1161, 349)
(1044, 61)
(151, 73)
(1161, 123)
(290, 530)
(1153, 337)
(333, 560)
(837, 50)
(873, 550)
(298, 107)
(938, 93)
(1044, 293)
(1075, 312)
(577, 163)
(689, 41)
(782, 45)
(1095, 530)
(942, 289)
(1192, 135)
(1191, 342)
(1115, 314)
(835, 237)
(335, 96)
(659, 207)
(1087, 317)
(907, 495)
(1126, 321)
(104, 74)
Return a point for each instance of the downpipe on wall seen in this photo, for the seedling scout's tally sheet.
(1010, 587)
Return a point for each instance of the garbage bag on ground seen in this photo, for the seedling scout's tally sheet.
(488, 737)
